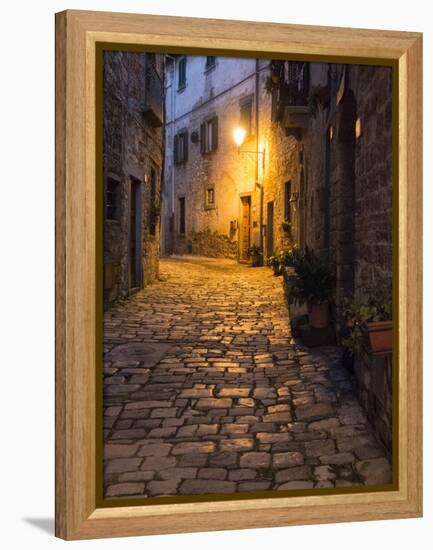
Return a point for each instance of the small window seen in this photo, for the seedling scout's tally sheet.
(246, 117)
(210, 62)
(112, 199)
(182, 215)
(181, 83)
(210, 197)
(287, 197)
(180, 147)
(209, 135)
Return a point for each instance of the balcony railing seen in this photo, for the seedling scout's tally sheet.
(289, 82)
(297, 84)
(153, 108)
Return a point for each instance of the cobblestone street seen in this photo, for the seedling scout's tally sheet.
(206, 392)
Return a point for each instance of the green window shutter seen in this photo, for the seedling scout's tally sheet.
(214, 133)
(185, 147)
(175, 149)
(203, 137)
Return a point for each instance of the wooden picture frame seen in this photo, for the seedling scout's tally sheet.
(78, 33)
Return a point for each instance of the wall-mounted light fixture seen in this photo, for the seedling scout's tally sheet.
(239, 137)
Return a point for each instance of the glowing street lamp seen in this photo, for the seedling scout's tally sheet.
(239, 135)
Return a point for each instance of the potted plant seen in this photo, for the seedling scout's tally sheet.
(274, 261)
(290, 256)
(369, 321)
(378, 325)
(312, 285)
(256, 255)
(286, 226)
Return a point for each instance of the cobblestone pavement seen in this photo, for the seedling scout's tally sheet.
(206, 392)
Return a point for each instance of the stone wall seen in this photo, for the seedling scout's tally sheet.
(373, 175)
(214, 230)
(346, 205)
(206, 243)
(282, 164)
(374, 379)
(133, 151)
(347, 198)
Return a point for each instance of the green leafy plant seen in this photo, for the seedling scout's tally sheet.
(273, 80)
(255, 250)
(317, 96)
(375, 306)
(274, 260)
(271, 84)
(314, 282)
(286, 226)
(290, 256)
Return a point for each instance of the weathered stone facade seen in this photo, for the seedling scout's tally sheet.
(133, 163)
(301, 162)
(347, 197)
(374, 379)
(346, 203)
(255, 174)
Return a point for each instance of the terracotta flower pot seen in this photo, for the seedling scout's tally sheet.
(318, 315)
(380, 336)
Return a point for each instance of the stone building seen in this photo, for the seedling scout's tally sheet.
(346, 197)
(220, 199)
(133, 163)
(344, 129)
(315, 169)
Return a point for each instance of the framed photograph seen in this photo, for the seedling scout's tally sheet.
(238, 274)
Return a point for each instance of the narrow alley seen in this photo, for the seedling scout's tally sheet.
(205, 391)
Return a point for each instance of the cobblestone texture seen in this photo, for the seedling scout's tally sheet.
(233, 404)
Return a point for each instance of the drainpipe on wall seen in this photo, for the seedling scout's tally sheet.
(172, 120)
(173, 114)
(257, 83)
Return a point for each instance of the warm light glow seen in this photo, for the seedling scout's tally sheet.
(239, 136)
(358, 128)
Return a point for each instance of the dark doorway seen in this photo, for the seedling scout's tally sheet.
(245, 229)
(135, 270)
(153, 205)
(182, 216)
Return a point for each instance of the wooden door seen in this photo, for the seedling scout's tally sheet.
(245, 229)
(270, 229)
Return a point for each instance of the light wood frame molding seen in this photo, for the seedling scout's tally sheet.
(77, 33)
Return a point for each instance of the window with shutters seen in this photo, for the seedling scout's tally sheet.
(182, 216)
(181, 82)
(210, 197)
(210, 62)
(246, 116)
(180, 147)
(209, 135)
(112, 199)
